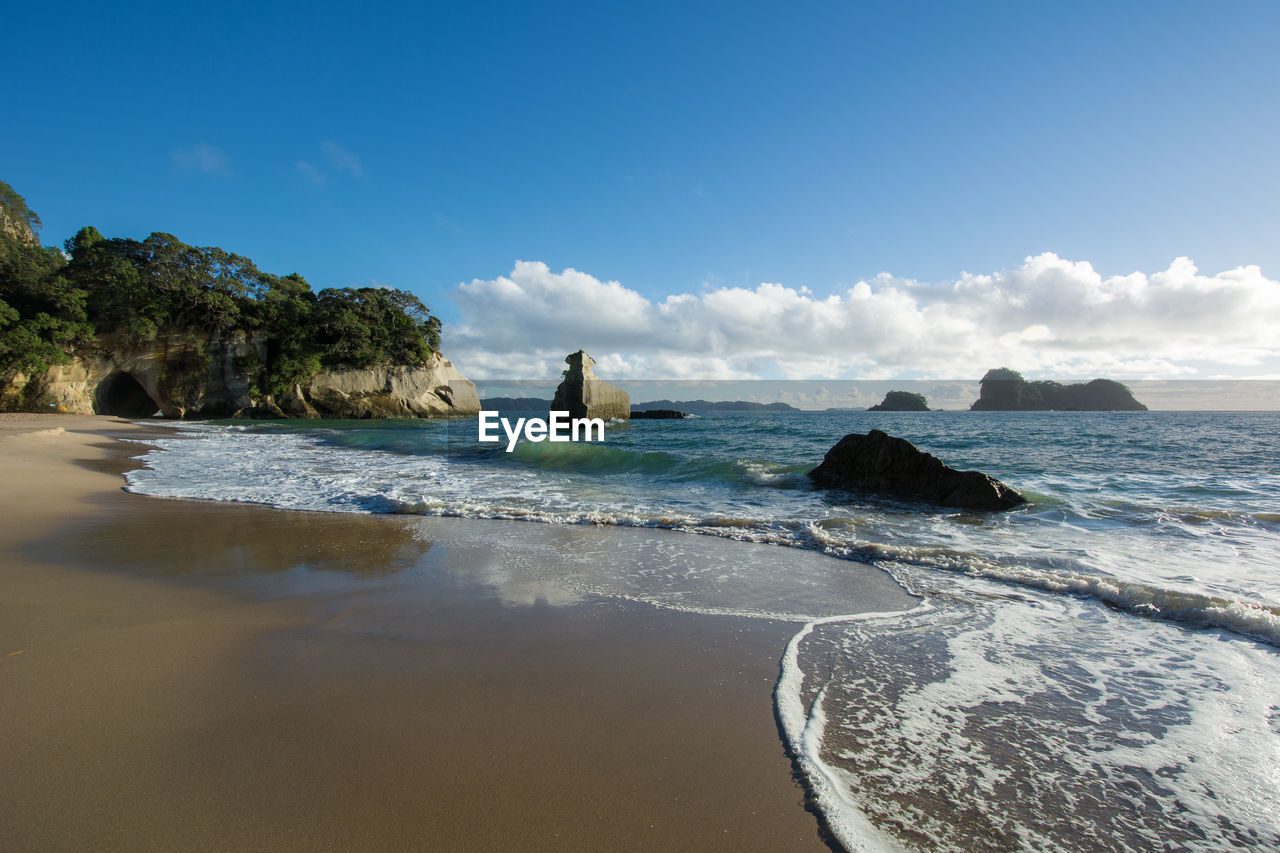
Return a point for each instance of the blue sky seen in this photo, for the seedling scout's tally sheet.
(685, 151)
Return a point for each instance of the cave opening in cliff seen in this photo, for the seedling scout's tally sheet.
(123, 397)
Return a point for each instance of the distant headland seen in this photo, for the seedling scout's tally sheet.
(708, 406)
(134, 328)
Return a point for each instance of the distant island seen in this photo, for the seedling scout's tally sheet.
(1004, 390)
(537, 404)
(707, 406)
(901, 401)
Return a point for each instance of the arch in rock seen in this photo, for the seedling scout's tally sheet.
(121, 395)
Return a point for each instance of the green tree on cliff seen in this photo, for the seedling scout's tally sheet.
(374, 325)
(13, 208)
(43, 318)
(127, 293)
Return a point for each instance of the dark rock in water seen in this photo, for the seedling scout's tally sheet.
(1004, 390)
(655, 414)
(878, 462)
(901, 401)
(584, 395)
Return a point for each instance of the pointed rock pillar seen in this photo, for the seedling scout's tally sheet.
(583, 395)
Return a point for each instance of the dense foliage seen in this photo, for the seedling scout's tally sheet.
(42, 314)
(129, 292)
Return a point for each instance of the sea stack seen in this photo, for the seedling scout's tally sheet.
(883, 464)
(583, 395)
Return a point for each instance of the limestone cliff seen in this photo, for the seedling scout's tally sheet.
(583, 395)
(395, 391)
(182, 376)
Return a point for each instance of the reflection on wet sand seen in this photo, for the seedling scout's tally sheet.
(173, 537)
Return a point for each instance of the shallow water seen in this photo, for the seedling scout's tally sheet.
(1096, 670)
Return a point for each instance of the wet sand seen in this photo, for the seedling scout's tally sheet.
(180, 675)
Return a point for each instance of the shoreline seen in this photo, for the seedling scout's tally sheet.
(192, 674)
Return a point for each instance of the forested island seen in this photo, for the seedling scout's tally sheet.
(1004, 390)
(203, 332)
(901, 401)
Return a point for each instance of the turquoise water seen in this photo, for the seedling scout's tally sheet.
(1096, 670)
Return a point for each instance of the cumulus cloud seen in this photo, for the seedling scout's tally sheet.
(202, 157)
(1047, 317)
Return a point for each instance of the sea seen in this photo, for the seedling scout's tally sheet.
(1098, 669)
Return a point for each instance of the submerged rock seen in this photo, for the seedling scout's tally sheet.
(881, 463)
(583, 395)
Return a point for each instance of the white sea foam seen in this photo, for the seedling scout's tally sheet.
(995, 721)
(804, 730)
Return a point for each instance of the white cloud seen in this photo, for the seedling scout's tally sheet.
(342, 159)
(1047, 317)
(339, 159)
(310, 173)
(202, 157)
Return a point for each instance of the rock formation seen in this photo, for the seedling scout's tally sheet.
(1004, 390)
(393, 391)
(583, 395)
(901, 401)
(880, 463)
(180, 376)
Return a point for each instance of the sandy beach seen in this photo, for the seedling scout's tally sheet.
(181, 675)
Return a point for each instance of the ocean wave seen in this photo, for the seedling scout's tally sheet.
(1255, 620)
(297, 470)
(603, 459)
